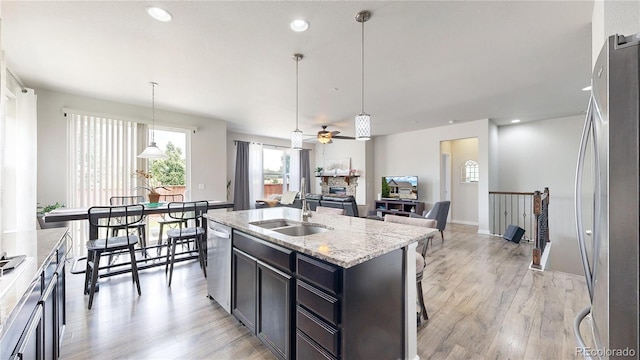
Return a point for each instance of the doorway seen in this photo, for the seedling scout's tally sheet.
(455, 185)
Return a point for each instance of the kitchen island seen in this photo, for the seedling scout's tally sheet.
(334, 287)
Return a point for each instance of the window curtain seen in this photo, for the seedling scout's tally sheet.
(241, 181)
(294, 171)
(256, 178)
(305, 169)
(19, 161)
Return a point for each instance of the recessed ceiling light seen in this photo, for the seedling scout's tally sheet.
(451, 121)
(515, 121)
(159, 14)
(588, 88)
(299, 25)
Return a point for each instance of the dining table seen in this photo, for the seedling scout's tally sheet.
(82, 213)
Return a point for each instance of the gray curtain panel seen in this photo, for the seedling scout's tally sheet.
(305, 170)
(241, 183)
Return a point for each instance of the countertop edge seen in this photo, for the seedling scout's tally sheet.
(316, 254)
(43, 246)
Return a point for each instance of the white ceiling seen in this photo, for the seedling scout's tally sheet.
(426, 63)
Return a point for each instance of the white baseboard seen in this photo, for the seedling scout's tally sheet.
(462, 222)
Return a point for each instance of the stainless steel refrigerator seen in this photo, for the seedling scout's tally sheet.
(609, 244)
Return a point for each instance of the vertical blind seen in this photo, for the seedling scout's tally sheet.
(102, 155)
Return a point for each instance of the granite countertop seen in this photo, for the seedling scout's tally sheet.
(350, 241)
(38, 246)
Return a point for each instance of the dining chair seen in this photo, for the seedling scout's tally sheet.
(330, 210)
(165, 220)
(141, 226)
(185, 213)
(106, 219)
(420, 256)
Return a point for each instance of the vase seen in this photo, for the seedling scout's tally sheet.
(154, 197)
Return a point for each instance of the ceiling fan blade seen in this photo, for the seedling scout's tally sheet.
(344, 137)
(334, 133)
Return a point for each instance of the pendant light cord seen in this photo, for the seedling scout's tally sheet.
(297, 61)
(362, 108)
(153, 110)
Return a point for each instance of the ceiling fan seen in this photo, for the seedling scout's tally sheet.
(325, 137)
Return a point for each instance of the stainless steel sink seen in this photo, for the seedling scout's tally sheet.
(300, 230)
(276, 223)
(290, 227)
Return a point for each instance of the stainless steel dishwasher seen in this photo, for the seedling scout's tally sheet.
(219, 264)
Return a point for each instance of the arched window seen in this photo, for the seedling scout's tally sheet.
(470, 171)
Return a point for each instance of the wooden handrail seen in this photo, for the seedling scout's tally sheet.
(510, 193)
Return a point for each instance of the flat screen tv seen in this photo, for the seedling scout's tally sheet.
(400, 187)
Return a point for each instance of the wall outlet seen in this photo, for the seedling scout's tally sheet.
(200, 186)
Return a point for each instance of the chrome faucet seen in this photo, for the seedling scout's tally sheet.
(306, 212)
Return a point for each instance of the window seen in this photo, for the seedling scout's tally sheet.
(171, 172)
(470, 171)
(280, 169)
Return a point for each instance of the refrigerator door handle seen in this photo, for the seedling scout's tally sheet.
(586, 131)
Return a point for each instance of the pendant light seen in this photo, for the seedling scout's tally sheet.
(363, 120)
(152, 151)
(296, 135)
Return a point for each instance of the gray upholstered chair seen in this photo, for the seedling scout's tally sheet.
(439, 212)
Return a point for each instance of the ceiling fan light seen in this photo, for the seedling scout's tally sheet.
(324, 138)
(296, 140)
(363, 127)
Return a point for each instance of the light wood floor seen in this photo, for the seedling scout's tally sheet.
(483, 303)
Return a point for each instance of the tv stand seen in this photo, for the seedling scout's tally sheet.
(399, 207)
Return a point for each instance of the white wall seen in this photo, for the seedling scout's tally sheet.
(357, 151)
(418, 153)
(540, 154)
(613, 17)
(464, 196)
(208, 144)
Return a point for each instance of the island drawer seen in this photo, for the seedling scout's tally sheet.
(307, 349)
(272, 254)
(319, 302)
(319, 273)
(322, 333)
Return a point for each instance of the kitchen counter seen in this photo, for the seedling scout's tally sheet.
(22, 286)
(320, 295)
(349, 242)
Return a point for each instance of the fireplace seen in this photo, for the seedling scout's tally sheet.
(339, 185)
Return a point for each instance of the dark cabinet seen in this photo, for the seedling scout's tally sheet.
(244, 287)
(50, 319)
(39, 319)
(30, 345)
(262, 295)
(399, 207)
(303, 308)
(274, 309)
